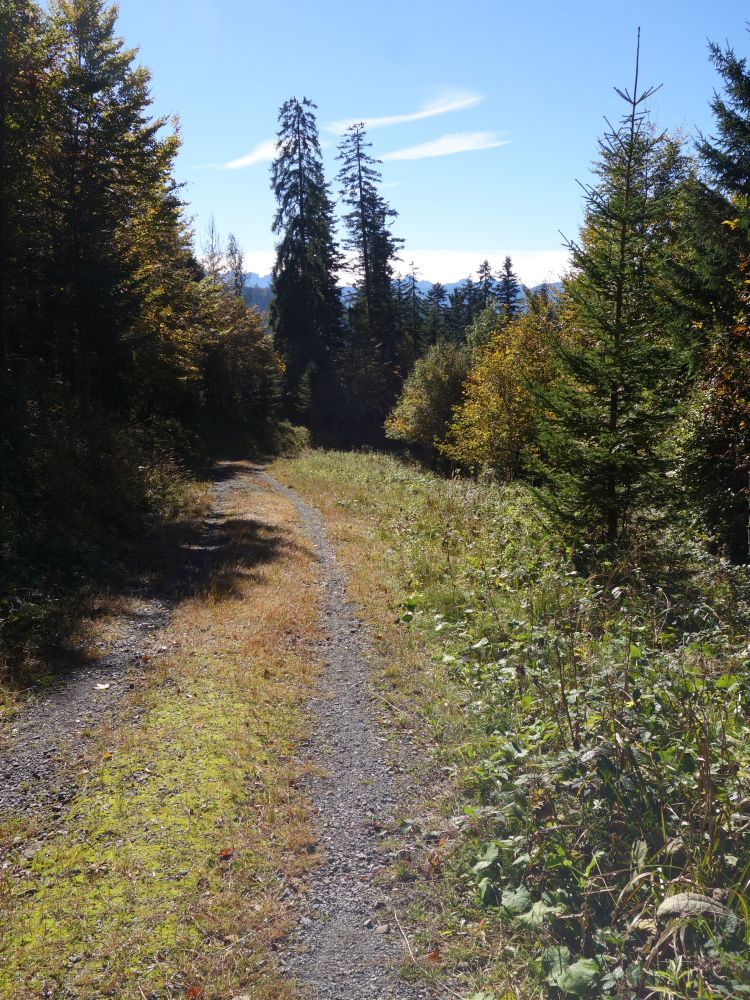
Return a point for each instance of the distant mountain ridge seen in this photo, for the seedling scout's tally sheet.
(256, 281)
(258, 291)
(253, 280)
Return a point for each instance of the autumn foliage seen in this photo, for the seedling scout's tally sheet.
(497, 418)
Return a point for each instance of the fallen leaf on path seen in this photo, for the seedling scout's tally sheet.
(227, 854)
(102, 687)
(434, 955)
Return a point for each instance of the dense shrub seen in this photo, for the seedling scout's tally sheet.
(424, 410)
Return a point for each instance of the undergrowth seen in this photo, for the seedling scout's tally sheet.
(606, 763)
(76, 496)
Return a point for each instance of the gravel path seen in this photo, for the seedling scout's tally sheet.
(45, 743)
(349, 944)
(49, 738)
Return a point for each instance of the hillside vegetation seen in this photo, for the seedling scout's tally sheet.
(596, 725)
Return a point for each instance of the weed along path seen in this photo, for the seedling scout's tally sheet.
(349, 942)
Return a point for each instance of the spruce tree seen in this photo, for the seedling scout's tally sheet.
(473, 300)
(235, 267)
(607, 412)
(434, 324)
(110, 156)
(26, 97)
(712, 284)
(727, 156)
(458, 311)
(487, 288)
(305, 312)
(509, 290)
(399, 308)
(369, 238)
(415, 312)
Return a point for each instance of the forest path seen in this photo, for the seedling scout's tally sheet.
(223, 657)
(348, 943)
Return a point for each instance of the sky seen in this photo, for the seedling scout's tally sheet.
(485, 114)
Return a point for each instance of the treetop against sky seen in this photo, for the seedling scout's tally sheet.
(484, 117)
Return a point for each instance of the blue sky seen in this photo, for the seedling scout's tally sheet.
(485, 114)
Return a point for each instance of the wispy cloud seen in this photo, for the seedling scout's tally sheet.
(446, 145)
(264, 152)
(453, 101)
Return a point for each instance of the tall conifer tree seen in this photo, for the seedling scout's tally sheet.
(111, 154)
(509, 290)
(26, 96)
(608, 412)
(415, 312)
(235, 267)
(487, 288)
(713, 285)
(369, 237)
(435, 313)
(306, 308)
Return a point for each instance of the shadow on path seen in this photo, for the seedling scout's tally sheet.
(56, 726)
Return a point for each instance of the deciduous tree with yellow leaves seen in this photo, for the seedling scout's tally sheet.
(497, 419)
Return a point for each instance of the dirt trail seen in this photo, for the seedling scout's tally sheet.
(349, 944)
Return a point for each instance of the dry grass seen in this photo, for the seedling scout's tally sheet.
(166, 878)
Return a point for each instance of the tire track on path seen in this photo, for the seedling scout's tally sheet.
(348, 946)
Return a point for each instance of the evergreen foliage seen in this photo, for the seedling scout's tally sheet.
(712, 283)
(509, 291)
(414, 313)
(606, 414)
(370, 241)
(305, 312)
(434, 319)
(235, 267)
(488, 291)
(625, 405)
(118, 355)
